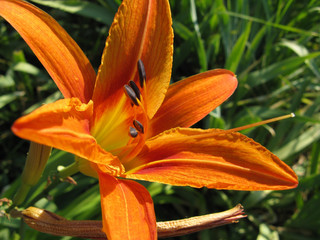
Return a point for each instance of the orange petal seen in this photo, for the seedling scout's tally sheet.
(127, 209)
(157, 54)
(211, 158)
(65, 125)
(141, 30)
(191, 99)
(56, 50)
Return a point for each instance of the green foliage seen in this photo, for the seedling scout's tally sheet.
(272, 46)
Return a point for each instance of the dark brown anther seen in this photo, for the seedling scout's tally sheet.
(131, 94)
(138, 125)
(133, 132)
(142, 72)
(135, 88)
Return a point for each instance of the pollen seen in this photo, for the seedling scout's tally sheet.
(131, 94)
(142, 73)
(138, 125)
(133, 132)
(135, 88)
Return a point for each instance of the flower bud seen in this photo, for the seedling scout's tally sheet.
(37, 158)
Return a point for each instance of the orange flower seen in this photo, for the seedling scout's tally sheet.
(119, 128)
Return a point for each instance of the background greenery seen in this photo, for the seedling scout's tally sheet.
(272, 46)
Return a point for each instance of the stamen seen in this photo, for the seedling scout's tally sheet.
(261, 123)
(131, 94)
(138, 125)
(142, 73)
(133, 132)
(135, 88)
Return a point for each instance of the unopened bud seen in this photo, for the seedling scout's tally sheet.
(37, 158)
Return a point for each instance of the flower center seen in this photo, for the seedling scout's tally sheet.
(121, 129)
(140, 119)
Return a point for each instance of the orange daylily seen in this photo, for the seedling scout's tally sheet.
(137, 129)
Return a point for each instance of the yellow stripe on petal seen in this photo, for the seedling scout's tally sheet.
(57, 51)
(111, 130)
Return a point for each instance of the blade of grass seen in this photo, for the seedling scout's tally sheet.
(296, 145)
(26, 68)
(280, 68)
(199, 42)
(237, 51)
(8, 98)
(254, 44)
(82, 8)
(302, 51)
(315, 158)
(224, 25)
(181, 30)
(274, 25)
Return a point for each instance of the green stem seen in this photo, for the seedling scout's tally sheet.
(45, 192)
(70, 170)
(63, 172)
(21, 194)
(24, 189)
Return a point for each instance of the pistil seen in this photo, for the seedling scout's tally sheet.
(291, 115)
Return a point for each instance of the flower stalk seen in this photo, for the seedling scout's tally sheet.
(64, 172)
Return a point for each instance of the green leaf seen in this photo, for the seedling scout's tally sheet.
(82, 8)
(254, 198)
(199, 42)
(265, 233)
(7, 81)
(26, 68)
(237, 51)
(83, 206)
(309, 183)
(268, 23)
(315, 158)
(301, 51)
(181, 30)
(308, 217)
(298, 144)
(279, 68)
(255, 43)
(8, 98)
